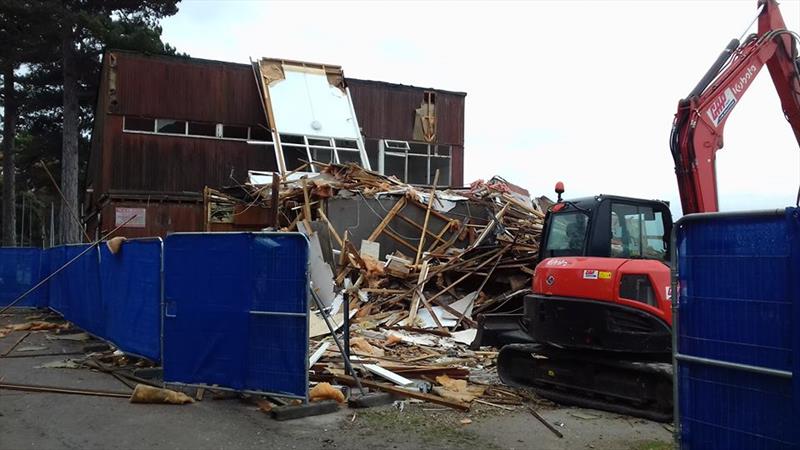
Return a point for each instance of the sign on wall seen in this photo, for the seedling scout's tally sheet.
(122, 215)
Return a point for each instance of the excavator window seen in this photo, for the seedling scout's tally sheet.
(637, 231)
(567, 234)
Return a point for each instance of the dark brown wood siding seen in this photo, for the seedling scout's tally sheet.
(148, 162)
(176, 88)
(160, 218)
(387, 111)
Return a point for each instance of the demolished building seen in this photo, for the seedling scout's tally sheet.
(168, 127)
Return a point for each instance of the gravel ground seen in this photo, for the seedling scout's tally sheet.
(55, 421)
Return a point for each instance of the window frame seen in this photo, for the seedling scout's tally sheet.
(398, 148)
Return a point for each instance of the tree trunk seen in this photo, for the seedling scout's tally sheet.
(9, 133)
(70, 229)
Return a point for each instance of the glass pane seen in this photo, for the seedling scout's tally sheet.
(319, 142)
(346, 156)
(395, 145)
(372, 153)
(292, 139)
(234, 132)
(655, 242)
(417, 169)
(420, 149)
(395, 165)
(323, 155)
(171, 126)
(346, 143)
(626, 231)
(139, 124)
(260, 134)
(567, 234)
(294, 157)
(443, 164)
(202, 129)
(443, 150)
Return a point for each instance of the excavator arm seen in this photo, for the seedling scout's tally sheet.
(697, 131)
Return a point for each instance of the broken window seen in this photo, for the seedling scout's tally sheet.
(234, 132)
(202, 129)
(294, 157)
(348, 156)
(260, 134)
(170, 126)
(372, 153)
(323, 155)
(415, 162)
(138, 124)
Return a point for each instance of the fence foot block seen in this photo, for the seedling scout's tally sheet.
(309, 409)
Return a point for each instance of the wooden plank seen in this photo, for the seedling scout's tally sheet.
(404, 392)
(306, 205)
(431, 199)
(389, 216)
(330, 227)
(412, 313)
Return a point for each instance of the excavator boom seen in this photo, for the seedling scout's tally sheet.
(697, 131)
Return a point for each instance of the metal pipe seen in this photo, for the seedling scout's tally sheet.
(271, 313)
(60, 390)
(676, 430)
(347, 365)
(713, 71)
(346, 325)
(735, 366)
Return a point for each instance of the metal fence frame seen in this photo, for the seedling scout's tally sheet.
(307, 315)
(678, 357)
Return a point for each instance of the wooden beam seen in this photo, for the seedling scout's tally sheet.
(427, 217)
(421, 280)
(330, 227)
(461, 406)
(389, 216)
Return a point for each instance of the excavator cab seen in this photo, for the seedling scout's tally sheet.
(596, 328)
(607, 226)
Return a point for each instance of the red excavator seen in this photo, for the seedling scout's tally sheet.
(596, 330)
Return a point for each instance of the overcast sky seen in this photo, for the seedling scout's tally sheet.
(578, 91)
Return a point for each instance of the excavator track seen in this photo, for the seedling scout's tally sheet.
(588, 379)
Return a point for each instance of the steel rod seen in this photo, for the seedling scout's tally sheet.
(60, 390)
(544, 422)
(347, 365)
(735, 366)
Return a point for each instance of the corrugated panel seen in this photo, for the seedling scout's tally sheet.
(388, 111)
(739, 303)
(190, 89)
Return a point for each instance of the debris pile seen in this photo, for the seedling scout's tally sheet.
(412, 307)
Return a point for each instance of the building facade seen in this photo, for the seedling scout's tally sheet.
(167, 127)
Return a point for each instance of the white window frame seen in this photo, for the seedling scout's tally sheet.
(219, 131)
(403, 149)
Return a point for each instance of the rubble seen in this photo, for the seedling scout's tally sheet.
(413, 310)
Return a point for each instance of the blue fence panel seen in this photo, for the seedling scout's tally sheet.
(20, 270)
(131, 291)
(236, 310)
(739, 302)
(77, 287)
